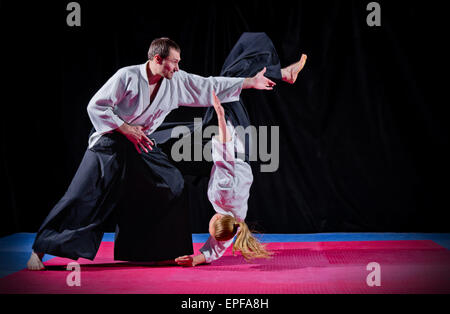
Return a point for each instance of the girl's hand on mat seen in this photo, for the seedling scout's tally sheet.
(136, 135)
(190, 261)
(185, 261)
(259, 81)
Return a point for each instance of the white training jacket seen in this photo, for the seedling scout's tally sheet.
(126, 98)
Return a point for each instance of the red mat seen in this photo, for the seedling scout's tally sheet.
(326, 268)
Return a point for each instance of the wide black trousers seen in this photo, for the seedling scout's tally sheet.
(143, 193)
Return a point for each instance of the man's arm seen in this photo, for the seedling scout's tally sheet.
(101, 107)
(196, 91)
(101, 113)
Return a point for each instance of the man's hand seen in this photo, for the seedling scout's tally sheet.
(259, 81)
(190, 261)
(136, 135)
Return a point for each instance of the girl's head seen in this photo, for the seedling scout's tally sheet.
(225, 227)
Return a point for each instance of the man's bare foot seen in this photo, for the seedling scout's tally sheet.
(290, 73)
(35, 261)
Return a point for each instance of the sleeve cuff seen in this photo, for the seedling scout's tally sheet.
(207, 255)
(223, 151)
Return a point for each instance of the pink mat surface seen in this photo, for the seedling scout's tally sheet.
(321, 267)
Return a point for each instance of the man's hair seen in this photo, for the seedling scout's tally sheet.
(162, 46)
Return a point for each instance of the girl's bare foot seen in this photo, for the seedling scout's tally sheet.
(35, 261)
(291, 72)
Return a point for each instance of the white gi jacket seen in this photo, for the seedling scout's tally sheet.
(228, 189)
(126, 98)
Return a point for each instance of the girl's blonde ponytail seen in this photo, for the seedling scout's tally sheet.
(246, 243)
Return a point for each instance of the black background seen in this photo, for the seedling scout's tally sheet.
(363, 132)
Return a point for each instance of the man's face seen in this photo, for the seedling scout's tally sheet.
(169, 65)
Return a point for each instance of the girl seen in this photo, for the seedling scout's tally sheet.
(228, 192)
(231, 178)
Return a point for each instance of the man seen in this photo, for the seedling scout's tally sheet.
(125, 112)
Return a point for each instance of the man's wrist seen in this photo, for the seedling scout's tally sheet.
(248, 83)
(123, 128)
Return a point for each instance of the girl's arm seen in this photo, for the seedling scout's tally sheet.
(224, 134)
